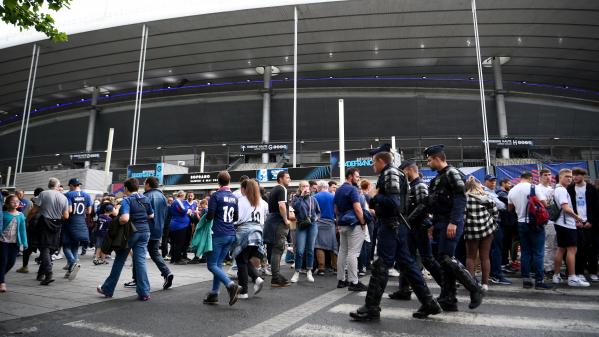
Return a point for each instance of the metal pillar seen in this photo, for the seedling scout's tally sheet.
(202, 159)
(138, 94)
(266, 110)
(500, 103)
(481, 85)
(295, 86)
(91, 125)
(341, 141)
(26, 111)
(108, 154)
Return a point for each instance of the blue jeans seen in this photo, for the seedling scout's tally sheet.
(220, 249)
(532, 249)
(153, 246)
(139, 243)
(496, 249)
(8, 256)
(304, 242)
(70, 251)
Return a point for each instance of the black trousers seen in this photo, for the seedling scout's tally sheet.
(45, 261)
(586, 254)
(245, 267)
(177, 243)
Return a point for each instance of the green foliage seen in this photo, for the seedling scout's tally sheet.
(26, 14)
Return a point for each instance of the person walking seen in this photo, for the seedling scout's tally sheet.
(13, 235)
(136, 211)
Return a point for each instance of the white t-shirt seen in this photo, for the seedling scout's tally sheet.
(581, 201)
(548, 192)
(562, 197)
(237, 193)
(518, 196)
(247, 212)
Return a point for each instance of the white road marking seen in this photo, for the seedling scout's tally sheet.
(518, 302)
(293, 316)
(105, 329)
(309, 330)
(490, 320)
(518, 289)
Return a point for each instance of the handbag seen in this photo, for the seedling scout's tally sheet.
(306, 223)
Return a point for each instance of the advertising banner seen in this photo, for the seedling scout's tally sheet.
(360, 159)
(478, 172)
(513, 172)
(143, 171)
(556, 167)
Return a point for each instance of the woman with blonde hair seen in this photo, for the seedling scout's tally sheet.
(479, 225)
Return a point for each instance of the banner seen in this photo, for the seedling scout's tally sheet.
(262, 148)
(360, 159)
(262, 175)
(478, 172)
(143, 171)
(556, 167)
(513, 172)
(86, 156)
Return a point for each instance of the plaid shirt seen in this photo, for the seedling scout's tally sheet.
(480, 217)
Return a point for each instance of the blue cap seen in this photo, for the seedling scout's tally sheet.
(74, 181)
(433, 149)
(490, 177)
(407, 163)
(382, 148)
(108, 208)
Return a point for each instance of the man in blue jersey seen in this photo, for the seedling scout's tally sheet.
(75, 231)
(223, 212)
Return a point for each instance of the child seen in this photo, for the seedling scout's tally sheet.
(102, 224)
(13, 234)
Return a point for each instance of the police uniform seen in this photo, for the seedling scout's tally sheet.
(447, 201)
(418, 237)
(392, 246)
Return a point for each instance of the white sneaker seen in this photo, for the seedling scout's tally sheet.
(393, 272)
(575, 281)
(295, 277)
(243, 296)
(485, 287)
(74, 271)
(594, 278)
(309, 276)
(557, 279)
(582, 277)
(258, 285)
(267, 271)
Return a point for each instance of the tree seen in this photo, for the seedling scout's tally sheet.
(26, 14)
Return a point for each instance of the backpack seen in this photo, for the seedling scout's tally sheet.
(404, 197)
(536, 213)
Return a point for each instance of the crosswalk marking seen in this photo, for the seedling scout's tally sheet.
(519, 290)
(105, 329)
(518, 302)
(317, 330)
(490, 320)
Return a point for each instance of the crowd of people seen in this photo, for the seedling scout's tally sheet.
(457, 229)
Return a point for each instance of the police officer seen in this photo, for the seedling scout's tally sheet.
(418, 237)
(447, 201)
(392, 242)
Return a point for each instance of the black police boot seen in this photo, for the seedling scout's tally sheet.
(429, 307)
(447, 300)
(464, 277)
(404, 293)
(365, 313)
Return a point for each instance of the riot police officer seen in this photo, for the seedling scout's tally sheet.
(392, 242)
(418, 238)
(447, 201)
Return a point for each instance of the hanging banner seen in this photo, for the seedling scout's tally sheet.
(428, 175)
(478, 172)
(513, 172)
(143, 171)
(556, 167)
(360, 159)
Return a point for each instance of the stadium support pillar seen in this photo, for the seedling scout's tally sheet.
(500, 103)
(91, 125)
(341, 140)
(266, 110)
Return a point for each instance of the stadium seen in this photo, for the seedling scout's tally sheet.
(208, 81)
